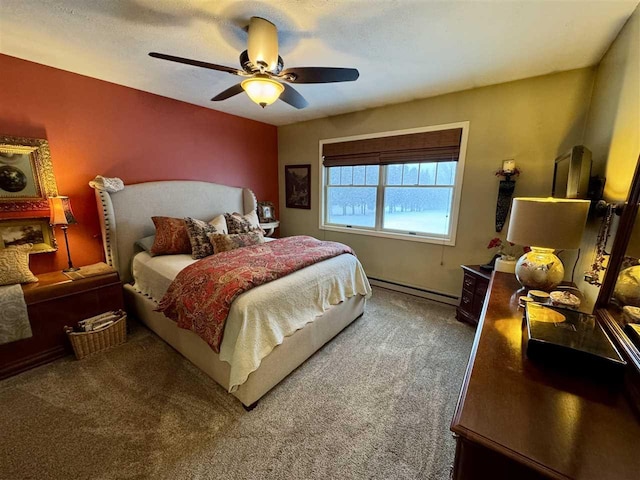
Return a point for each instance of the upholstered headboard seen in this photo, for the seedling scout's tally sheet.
(125, 216)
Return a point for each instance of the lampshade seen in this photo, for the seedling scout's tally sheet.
(262, 90)
(61, 213)
(548, 222)
(262, 45)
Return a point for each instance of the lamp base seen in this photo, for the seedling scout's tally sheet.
(539, 269)
(72, 269)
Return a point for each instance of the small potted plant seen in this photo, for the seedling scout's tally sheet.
(506, 256)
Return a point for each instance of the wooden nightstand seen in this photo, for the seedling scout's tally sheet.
(474, 290)
(52, 303)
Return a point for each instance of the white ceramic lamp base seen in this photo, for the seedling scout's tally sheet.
(539, 269)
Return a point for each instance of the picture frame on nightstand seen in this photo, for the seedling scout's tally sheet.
(266, 212)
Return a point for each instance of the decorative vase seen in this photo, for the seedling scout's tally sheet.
(505, 264)
(539, 269)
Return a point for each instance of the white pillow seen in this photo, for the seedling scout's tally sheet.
(220, 223)
(14, 265)
(146, 244)
(252, 218)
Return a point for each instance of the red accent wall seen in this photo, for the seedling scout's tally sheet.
(99, 128)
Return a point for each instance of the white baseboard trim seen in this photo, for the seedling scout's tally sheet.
(418, 292)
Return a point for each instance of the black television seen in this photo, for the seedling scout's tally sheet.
(571, 174)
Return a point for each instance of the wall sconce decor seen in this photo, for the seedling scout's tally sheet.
(505, 191)
(61, 214)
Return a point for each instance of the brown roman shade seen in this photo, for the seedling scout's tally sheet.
(438, 146)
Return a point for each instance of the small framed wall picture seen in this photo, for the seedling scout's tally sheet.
(297, 182)
(266, 212)
(28, 230)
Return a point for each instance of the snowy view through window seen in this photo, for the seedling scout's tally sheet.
(417, 196)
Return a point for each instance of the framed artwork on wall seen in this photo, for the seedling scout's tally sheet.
(28, 230)
(26, 174)
(297, 182)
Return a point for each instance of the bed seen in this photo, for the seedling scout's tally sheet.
(248, 371)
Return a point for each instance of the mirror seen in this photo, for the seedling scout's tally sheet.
(624, 256)
(626, 291)
(620, 292)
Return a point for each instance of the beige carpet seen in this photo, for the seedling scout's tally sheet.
(374, 403)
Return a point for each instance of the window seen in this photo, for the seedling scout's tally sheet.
(400, 184)
(352, 194)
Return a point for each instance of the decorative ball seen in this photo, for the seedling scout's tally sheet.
(627, 289)
(540, 270)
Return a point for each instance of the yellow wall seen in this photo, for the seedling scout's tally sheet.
(613, 127)
(531, 121)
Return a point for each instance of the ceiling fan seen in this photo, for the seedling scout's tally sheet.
(263, 69)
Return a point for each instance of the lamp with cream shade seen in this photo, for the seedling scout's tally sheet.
(61, 214)
(545, 224)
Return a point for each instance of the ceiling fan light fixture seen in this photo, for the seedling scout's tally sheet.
(262, 44)
(263, 91)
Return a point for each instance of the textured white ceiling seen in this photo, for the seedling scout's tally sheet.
(404, 49)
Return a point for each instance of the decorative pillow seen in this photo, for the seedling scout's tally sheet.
(171, 236)
(14, 265)
(146, 244)
(237, 223)
(198, 230)
(220, 223)
(224, 243)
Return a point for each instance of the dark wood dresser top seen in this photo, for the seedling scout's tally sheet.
(560, 425)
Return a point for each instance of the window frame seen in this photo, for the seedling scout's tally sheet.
(377, 231)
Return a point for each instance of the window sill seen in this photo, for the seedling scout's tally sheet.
(396, 236)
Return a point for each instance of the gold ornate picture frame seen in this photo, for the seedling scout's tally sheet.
(26, 174)
(20, 231)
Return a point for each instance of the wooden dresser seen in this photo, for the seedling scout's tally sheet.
(474, 289)
(52, 303)
(516, 419)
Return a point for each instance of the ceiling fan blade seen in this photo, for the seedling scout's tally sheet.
(196, 63)
(262, 44)
(292, 97)
(319, 75)
(228, 93)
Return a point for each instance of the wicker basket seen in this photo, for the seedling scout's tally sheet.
(88, 343)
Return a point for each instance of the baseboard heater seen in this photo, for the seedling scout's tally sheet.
(418, 292)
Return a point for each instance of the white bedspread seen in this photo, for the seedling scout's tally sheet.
(14, 318)
(262, 317)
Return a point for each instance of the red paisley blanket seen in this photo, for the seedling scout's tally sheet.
(200, 297)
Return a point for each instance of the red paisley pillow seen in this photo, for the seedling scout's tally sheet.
(171, 236)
